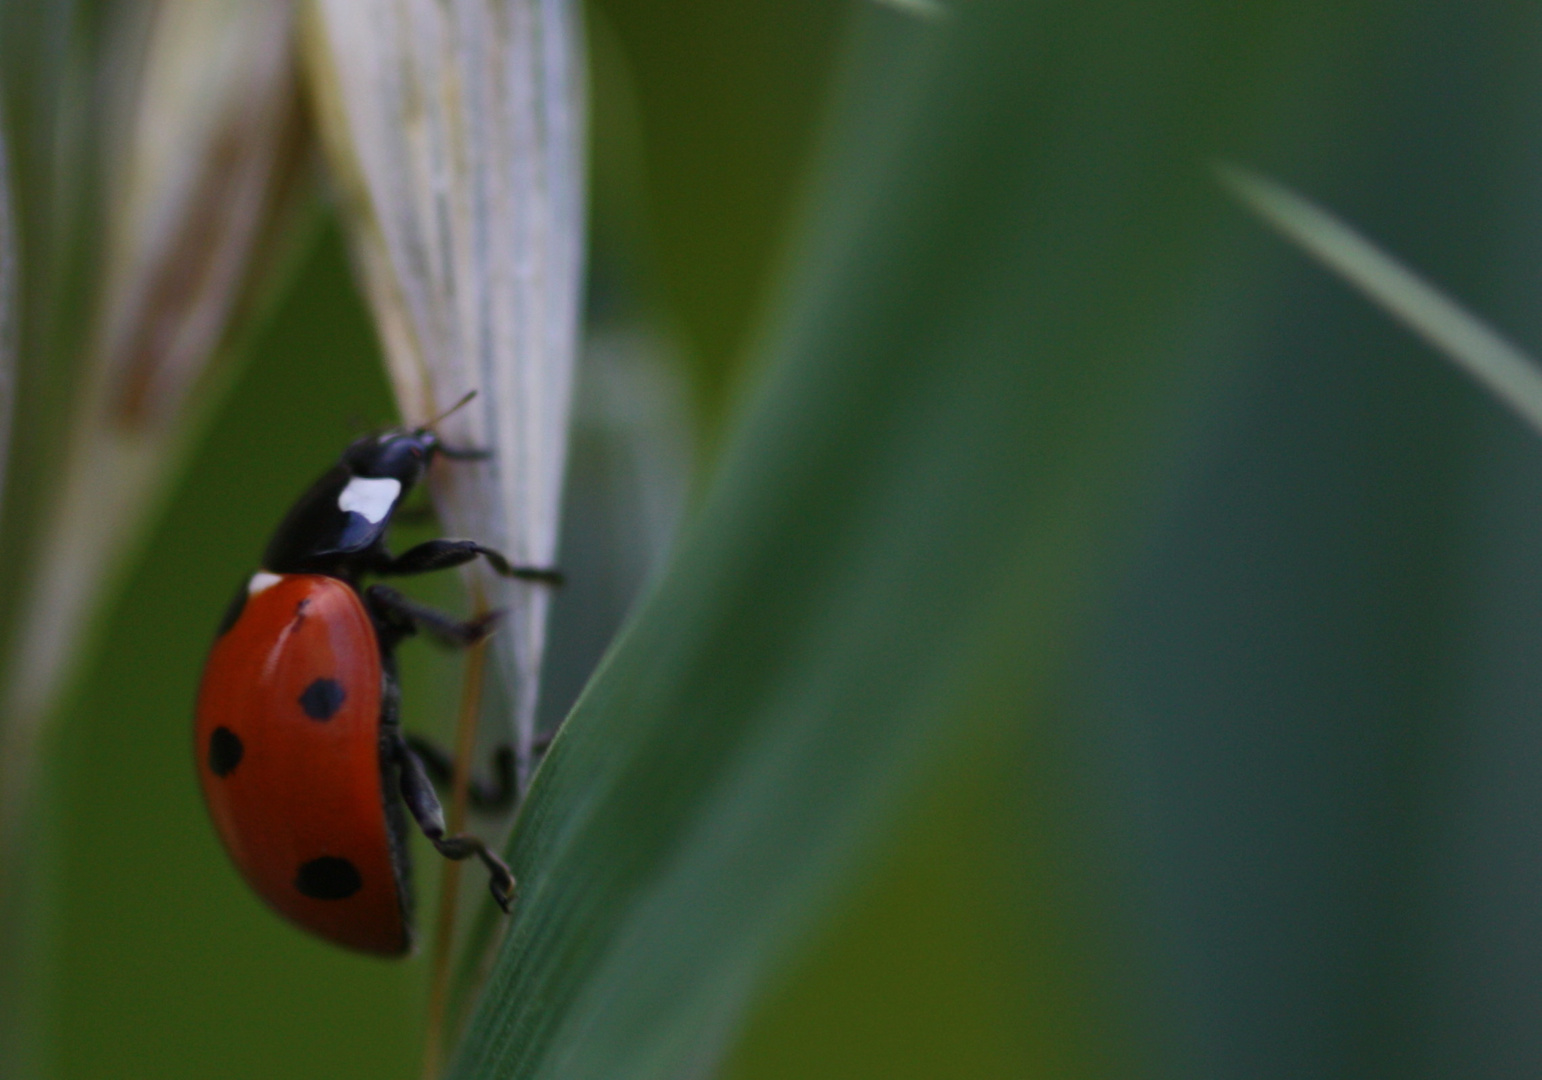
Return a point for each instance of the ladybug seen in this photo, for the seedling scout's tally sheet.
(300, 750)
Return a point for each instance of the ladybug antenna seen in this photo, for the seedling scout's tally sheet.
(452, 410)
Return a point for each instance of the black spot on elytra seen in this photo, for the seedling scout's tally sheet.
(232, 611)
(322, 699)
(328, 878)
(225, 750)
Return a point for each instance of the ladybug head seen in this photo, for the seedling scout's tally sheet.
(402, 455)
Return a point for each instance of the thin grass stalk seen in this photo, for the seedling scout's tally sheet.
(8, 288)
(1496, 363)
(449, 881)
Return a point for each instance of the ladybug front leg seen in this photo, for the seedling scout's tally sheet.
(418, 793)
(443, 554)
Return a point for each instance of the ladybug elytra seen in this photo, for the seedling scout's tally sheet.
(301, 754)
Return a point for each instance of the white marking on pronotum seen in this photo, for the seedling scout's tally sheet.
(262, 580)
(370, 496)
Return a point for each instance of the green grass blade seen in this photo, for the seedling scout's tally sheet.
(992, 314)
(1466, 340)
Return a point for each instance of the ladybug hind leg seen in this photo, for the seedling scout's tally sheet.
(423, 804)
(494, 793)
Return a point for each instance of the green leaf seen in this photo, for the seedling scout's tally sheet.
(997, 306)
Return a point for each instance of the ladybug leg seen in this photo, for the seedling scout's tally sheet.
(443, 554)
(418, 794)
(494, 794)
(397, 617)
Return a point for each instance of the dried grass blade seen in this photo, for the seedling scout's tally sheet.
(209, 143)
(456, 132)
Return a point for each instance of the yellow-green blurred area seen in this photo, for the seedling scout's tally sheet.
(1097, 643)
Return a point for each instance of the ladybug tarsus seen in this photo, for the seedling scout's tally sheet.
(422, 801)
(506, 569)
(538, 574)
(503, 894)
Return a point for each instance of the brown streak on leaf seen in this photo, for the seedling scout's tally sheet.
(207, 258)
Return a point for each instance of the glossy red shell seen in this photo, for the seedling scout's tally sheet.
(288, 743)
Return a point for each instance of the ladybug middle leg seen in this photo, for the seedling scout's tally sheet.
(396, 617)
(423, 803)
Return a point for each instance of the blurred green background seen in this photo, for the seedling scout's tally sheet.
(1219, 598)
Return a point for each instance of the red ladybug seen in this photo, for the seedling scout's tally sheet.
(300, 749)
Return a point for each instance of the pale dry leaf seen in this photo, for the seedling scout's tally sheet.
(456, 133)
(205, 136)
